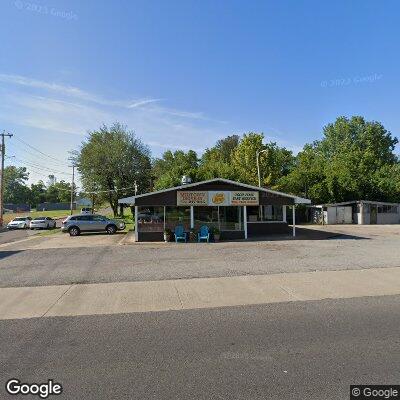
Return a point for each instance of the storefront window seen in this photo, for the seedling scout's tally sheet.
(264, 213)
(177, 216)
(223, 218)
(231, 218)
(205, 216)
(150, 219)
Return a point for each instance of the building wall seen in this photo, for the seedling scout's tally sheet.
(388, 218)
(17, 207)
(338, 215)
(54, 206)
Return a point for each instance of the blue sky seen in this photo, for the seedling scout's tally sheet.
(183, 74)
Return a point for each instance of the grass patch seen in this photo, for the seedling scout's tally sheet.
(128, 219)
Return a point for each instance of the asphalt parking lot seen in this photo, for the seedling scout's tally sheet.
(59, 259)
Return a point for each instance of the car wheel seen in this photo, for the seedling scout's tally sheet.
(111, 229)
(74, 231)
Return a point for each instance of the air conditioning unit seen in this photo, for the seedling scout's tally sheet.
(186, 179)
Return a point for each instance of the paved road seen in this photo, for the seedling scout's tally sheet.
(15, 235)
(47, 260)
(304, 350)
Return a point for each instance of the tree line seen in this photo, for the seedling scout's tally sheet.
(17, 191)
(354, 159)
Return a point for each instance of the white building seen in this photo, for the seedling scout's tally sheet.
(358, 212)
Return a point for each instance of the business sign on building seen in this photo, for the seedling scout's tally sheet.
(217, 198)
(192, 198)
(244, 198)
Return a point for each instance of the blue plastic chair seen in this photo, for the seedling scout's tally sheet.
(180, 234)
(204, 234)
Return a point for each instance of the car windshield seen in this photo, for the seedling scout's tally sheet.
(20, 219)
(39, 218)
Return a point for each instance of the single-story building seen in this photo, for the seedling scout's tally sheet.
(362, 212)
(238, 210)
(55, 206)
(17, 207)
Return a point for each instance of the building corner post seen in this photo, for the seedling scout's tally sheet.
(245, 221)
(136, 224)
(294, 220)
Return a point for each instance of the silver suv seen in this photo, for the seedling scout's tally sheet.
(75, 224)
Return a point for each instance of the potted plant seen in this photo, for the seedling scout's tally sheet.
(216, 233)
(192, 235)
(167, 235)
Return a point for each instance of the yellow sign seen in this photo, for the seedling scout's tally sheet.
(192, 198)
(218, 198)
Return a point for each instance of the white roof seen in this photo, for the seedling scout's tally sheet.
(345, 203)
(297, 200)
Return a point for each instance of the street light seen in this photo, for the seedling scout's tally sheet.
(258, 164)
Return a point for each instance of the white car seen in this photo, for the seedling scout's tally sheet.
(19, 223)
(42, 223)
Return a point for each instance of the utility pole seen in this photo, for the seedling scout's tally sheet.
(3, 154)
(72, 189)
(258, 164)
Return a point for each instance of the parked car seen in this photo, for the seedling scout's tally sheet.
(42, 223)
(86, 210)
(19, 223)
(75, 224)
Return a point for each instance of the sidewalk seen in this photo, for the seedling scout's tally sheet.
(130, 297)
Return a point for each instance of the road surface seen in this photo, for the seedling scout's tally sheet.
(303, 350)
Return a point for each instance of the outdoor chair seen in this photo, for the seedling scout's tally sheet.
(204, 234)
(180, 234)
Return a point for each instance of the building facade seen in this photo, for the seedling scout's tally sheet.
(237, 210)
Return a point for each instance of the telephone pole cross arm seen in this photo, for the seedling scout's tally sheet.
(3, 154)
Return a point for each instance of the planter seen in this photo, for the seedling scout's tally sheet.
(192, 237)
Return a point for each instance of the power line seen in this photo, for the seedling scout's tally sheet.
(34, 165)
(39, 151)
(38, 156)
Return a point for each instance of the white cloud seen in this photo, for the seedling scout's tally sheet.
(51, 107)
(142, 102)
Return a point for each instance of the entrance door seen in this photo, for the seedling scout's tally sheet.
(373, 214)
(340, 215)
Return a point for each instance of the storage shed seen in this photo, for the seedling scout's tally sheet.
(363, 212)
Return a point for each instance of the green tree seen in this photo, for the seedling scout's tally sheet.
(169, 169)
(274, 163)
(15, 189)
(112, 159)
(38, 193)
(59, 192)
(353, 161)
(216, 162)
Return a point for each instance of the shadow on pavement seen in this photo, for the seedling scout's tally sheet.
(5, 254)
(305, 234)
